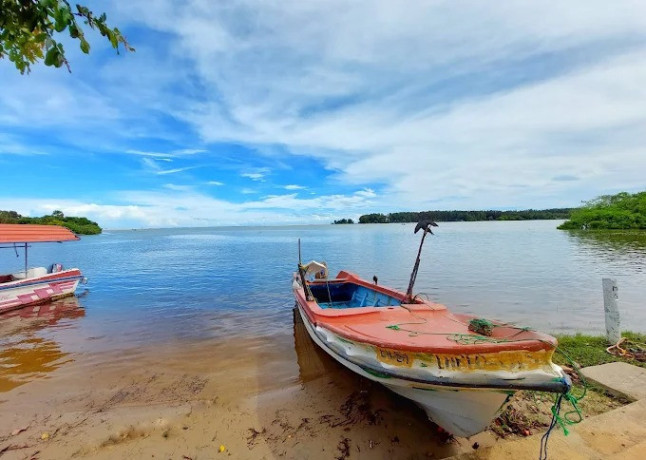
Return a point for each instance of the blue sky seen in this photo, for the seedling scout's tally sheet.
(292, 112)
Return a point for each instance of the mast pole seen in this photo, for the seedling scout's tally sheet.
(424, 225)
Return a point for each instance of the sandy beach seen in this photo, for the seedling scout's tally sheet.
(242, 398)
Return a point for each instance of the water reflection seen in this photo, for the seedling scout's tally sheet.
(625, 247)
(313, 363)
(615, 240)
(25, 355)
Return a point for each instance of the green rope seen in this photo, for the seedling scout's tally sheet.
(576, 369)
(566, 419)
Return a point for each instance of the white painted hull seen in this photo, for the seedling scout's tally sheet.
(460, 409)
(32, 291)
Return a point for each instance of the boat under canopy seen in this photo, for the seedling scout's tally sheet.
(35, 285)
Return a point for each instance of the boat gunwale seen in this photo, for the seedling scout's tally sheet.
(325, 318)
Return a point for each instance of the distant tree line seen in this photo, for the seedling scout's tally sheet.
(344, 221)
(79, 225)
(465, 216)
(623, 211)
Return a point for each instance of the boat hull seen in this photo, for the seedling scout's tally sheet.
(424, 352)
(33, 291)
(461, 411)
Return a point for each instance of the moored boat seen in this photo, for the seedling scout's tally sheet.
(36, 285)
(460, 369)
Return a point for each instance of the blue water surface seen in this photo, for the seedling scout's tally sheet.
(195, 284)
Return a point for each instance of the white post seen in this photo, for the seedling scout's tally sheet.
(613, 329)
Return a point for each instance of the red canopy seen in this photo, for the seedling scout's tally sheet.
(32, 233)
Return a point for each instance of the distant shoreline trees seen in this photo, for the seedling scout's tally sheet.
(79, 225)
(623, 211)
(344, 221)
(465, 216)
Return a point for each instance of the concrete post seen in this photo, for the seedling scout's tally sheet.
(613, 329)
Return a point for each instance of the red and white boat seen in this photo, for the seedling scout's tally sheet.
(36, 285)
(460, 369)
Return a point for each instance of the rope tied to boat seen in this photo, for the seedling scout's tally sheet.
(566, 419)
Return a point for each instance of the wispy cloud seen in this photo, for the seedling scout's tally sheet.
(152, 166)
(374, 105)
(188, 152)
(174, 171)
(156, 155)
(257, 174)
(165, 155)
(253, 176)
(178, 188)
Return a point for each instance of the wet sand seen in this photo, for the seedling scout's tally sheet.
(259, 397)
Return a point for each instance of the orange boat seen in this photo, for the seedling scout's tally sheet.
(460, 369)
(32, 286)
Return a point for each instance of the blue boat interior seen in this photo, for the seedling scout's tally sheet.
(350, 295)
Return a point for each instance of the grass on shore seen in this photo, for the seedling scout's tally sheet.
(529, 412)
(587, 350)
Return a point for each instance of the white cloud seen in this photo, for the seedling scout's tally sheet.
(156, 155)
(181, 206)
(253, 176)
(215, 182)
(423, 105)
(188, 151)
(257, 174)
(173, 171)
(357, 91)
(152, 166)
(178, 188)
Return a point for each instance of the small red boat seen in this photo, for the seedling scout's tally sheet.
(460, 369)
(36, 285)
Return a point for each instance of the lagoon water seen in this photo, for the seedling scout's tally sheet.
(184, 339)
(202, 285)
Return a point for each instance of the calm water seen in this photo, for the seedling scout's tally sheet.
(212, 284)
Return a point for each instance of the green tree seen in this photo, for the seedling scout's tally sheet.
(622, 211)
(28, 29)
(80, 225)
(373, 219)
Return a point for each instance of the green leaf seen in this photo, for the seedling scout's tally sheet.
(113, 39)
(59, 25)
(51, 58)
(85, 46)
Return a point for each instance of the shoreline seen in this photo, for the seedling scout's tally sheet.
(187, 400)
